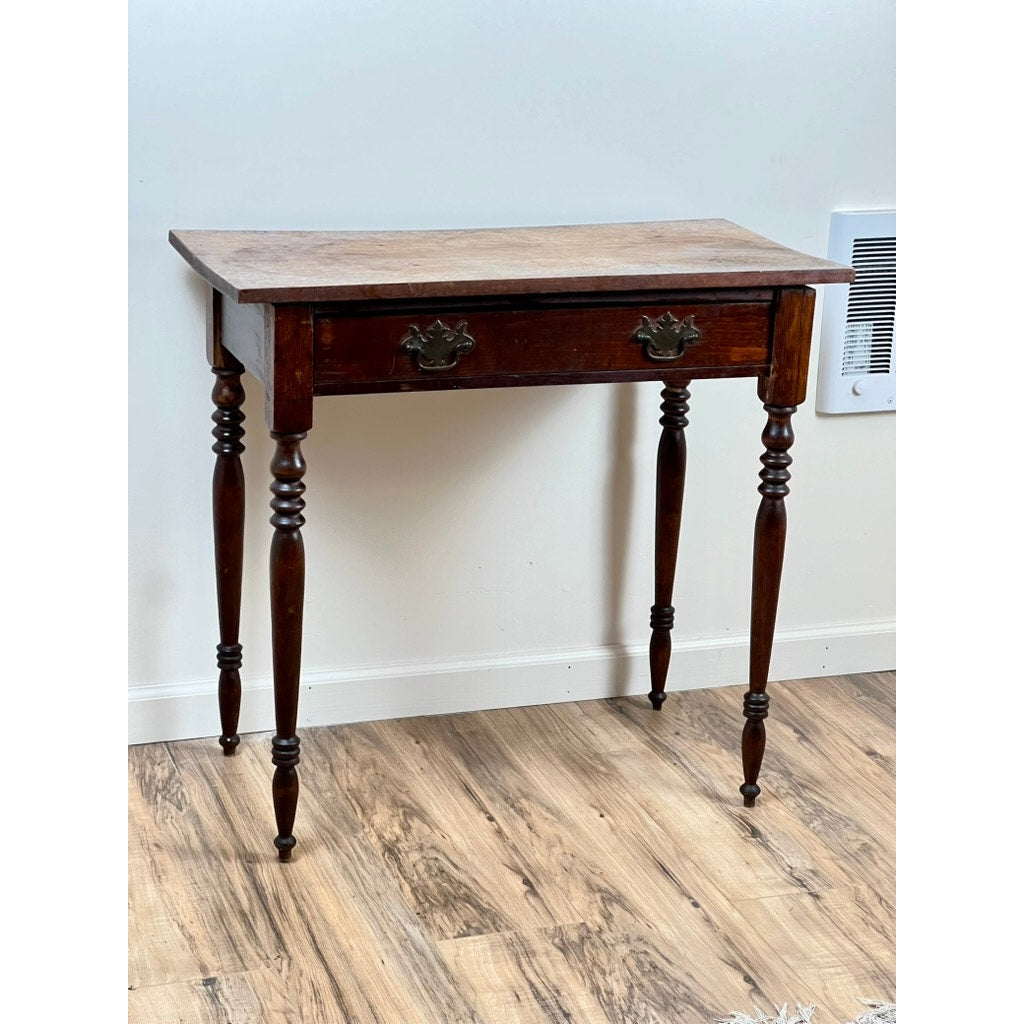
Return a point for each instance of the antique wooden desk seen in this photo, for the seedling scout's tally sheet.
(338, 313)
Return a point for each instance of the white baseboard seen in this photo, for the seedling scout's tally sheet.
(189, 710)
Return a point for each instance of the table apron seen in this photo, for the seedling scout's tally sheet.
(451, 349)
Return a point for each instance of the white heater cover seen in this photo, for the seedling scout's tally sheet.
(857, 364)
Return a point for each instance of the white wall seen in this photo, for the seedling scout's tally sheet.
(461, 544)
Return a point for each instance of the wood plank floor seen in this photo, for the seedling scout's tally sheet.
(586, 863)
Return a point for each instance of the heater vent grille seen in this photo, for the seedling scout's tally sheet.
(857, 372)
(871, 308)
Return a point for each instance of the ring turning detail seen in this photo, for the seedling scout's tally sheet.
(666, 338)
(323, 315)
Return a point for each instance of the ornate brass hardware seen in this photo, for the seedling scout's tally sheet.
(666, 338)
(439, 347)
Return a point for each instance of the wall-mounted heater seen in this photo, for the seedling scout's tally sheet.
(857, 364)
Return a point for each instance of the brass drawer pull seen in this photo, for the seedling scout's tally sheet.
(439, 347)
(666, 338)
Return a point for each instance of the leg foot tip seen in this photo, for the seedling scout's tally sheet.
(230, 744)
(656, 699)
(750, 791)
(285, 845)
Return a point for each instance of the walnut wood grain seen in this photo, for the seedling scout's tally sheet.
(553, 341)
(350, 312)
(782, 390)
(245, 334)
(289, 369)
(228, 535)
(287, 587)
(442, 382)
(324, 266)
(217, 354)
(671, 479)
(786, 383)
(769, 548)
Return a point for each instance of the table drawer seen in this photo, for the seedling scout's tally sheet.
(575, 341)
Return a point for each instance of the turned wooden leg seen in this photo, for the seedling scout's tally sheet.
(769, 545)
(228, 526)
(287, 581)
(669, 510)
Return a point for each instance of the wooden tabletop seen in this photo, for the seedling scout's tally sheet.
(325, 266)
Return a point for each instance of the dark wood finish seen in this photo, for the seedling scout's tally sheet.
(228, 532)
(249, 333)
(786, 383)
(782, 390)
(216, 354)
(328, 266)
(321, 313)
(287, 584)
(769, 546)
(245, 333)
(228, 514)
(669, 511)
(353, 350)
(289, 362)
(441, 382)
(542, 300)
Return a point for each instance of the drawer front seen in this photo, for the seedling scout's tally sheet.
(412, 347)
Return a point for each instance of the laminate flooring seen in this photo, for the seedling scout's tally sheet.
(577, 863)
